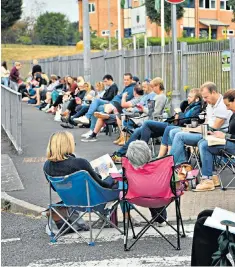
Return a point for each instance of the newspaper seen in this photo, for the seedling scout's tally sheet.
(192, 130)
(219, 215)
(104, 165)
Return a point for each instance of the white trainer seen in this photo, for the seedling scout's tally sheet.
(87, 134)
(83, 120)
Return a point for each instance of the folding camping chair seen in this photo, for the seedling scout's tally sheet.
(84, 195)
(223, 161)
(152, 186)
(194, 157)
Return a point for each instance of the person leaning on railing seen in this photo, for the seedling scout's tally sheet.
(15, 76)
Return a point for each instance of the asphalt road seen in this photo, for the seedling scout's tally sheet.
(37, 128)
(24, 243)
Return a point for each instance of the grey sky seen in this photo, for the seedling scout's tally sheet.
(67, 7)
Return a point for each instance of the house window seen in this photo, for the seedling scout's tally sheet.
(224, 5)
(91, 8)
(105, 33)
(208, 4)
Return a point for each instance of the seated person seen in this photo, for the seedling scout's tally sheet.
(106, 118)
(138, 153)
(40, 88)
(61, 161)
(207, 152)
(160, 101)
(191, 111)
(217, 118)
(71, 90)
(109, 106)
(205, 241)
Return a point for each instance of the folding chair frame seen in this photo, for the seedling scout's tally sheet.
(219, 161)
(194, 154)
(150, 223)
(88, 209)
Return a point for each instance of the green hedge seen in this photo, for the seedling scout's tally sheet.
(100, 43)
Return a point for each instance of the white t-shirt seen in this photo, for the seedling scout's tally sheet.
(219, 111)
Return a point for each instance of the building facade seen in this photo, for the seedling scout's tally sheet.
(210, 19)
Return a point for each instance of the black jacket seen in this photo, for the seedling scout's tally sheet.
(110, 93)
(71, 165)
(231, 129)
(36, 68)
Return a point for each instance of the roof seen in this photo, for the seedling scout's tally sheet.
(212, 22)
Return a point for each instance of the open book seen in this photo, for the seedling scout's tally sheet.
(220, 215)
(214, 141)
(104, 165)
(192, 130)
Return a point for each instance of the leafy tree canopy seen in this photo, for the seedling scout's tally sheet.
(11, 11)
(52, 28)
(155, 16)
(232, 4)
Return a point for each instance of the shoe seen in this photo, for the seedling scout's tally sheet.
(116, 158)
(205, 185)
(83, 120)
(87, 134)
(89, 139)
(216, 180)
(47, 107)
(101, 115)
(122, 141)
(161, 224)
(67, 126)
(117, 140)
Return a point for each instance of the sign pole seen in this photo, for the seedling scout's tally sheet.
(163, 38)
(119, 25)
(175, 89)
(86, 41)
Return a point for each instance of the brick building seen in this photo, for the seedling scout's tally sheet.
(207, 18)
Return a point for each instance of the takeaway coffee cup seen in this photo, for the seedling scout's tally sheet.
(194, 123)
(204, 128)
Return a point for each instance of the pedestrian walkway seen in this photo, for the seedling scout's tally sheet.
(37, 128)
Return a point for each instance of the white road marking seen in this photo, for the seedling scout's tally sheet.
(111, 234)
(10, 240)
(126, 262)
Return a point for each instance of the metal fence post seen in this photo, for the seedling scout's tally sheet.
(104, 58)
(19, 124)
(184, 68)
(121, 67)
(232, 63)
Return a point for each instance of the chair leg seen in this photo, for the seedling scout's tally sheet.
(91, 243)
(178, 225)
(181, 220)
(125, 226)
(129, 217)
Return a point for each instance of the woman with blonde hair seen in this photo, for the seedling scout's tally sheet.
(61, 160)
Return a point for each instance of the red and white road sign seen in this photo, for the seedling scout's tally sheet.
(175, 1)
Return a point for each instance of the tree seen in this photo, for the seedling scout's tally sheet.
(155, 16)
(73, 33)
(52, 28)
(11, 12)
(232, 4)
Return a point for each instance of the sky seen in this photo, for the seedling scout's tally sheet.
(67, 7)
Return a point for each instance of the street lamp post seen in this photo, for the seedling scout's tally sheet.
(86, 41)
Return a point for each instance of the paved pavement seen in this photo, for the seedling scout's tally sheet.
(37, 128)
(24, 243)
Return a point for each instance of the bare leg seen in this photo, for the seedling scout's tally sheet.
(48, 98)
(99, 125)
(162, 151)
(38, 90)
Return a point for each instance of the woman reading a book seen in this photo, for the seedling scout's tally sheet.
(207, 152)
(61, 160)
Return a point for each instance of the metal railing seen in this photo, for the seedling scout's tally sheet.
(11, 116)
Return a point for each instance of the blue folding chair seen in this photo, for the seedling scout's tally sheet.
(83, 194)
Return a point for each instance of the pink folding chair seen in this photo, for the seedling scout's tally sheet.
(152, 186)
